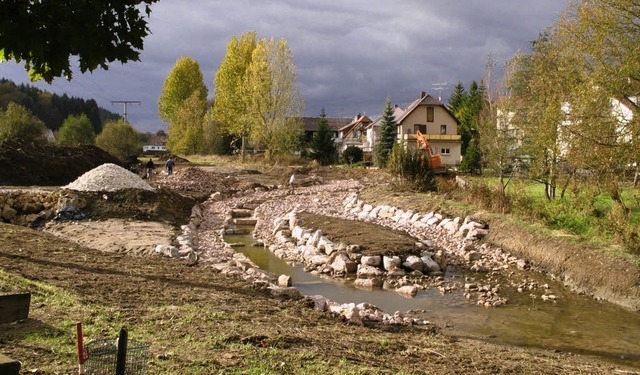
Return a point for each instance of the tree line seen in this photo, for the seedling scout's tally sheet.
(53, 109)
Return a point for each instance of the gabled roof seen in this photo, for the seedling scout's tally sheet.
(423, 100)
(357, 120)
(310, 124)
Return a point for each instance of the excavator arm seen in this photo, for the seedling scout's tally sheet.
(435, 160)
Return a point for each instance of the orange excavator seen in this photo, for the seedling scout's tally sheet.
(435, 160)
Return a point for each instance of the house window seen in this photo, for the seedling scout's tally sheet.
(443, 129)
(420, 128)
(429, 114)
(444, 151)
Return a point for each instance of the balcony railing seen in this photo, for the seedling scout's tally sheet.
(433, 137)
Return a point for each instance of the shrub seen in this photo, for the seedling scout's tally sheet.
(411, 168)
(352, 155)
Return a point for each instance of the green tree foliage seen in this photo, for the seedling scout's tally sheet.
(18, 123)
(215, 138)
(323, 147)
(472, 159)
(46, 34)
(52, 109)
(456, 100)
(76, 130)
(257, 94)
(230, 108)
(411, 168)
(352, 155)
(186, 131)
(387, 138)
(599, 40)
(183, 104)
(272, 98)
(119, 139)
(541, 84)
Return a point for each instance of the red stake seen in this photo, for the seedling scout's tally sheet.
(83, 354)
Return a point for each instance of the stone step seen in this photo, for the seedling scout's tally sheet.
(245, 221)
(239, 212)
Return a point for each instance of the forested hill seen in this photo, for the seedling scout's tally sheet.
(52, 109)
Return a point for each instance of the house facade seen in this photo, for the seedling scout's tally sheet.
(432, 118)
(355, 134)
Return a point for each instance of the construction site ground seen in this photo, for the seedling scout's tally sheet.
(202, 322)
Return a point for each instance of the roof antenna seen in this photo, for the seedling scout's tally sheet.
(439, 86)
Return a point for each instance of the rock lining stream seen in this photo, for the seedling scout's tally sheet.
(566, 322)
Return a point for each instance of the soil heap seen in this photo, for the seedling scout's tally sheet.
(23, 163)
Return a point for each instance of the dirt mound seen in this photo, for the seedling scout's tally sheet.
(47, 165)
(161, 205)
(193, 179)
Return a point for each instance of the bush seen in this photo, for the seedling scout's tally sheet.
(627, 232)
(412, 168)
(352, 155)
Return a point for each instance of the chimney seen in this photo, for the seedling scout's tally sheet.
(423, 94)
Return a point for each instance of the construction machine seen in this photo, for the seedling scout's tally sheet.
(435, 160)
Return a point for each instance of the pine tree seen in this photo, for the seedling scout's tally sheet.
(457, 98)
(387, 135)
(323, 148)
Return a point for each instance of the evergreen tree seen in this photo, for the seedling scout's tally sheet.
(472, 159)
(323, 148)
(387, 139)
(457, 98)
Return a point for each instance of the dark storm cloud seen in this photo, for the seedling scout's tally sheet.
(350, 55)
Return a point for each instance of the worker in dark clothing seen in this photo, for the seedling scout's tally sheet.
(170, 164)
(150, 167)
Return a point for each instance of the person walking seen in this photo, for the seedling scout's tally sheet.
(170, 164)
(150, 167)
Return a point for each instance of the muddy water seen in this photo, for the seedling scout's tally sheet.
(573, 324)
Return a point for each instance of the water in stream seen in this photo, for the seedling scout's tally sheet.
(574, 324)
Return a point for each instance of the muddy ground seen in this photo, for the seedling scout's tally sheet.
(200, 321)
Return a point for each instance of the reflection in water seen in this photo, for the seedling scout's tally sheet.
(574, 323)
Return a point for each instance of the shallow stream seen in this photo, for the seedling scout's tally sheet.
(573, 324)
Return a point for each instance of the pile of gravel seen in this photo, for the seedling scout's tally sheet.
(108, 177)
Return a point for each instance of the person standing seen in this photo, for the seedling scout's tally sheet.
(170, 164)
(150, 167)
(292, 182)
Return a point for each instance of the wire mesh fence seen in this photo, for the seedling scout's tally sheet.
(103, 357)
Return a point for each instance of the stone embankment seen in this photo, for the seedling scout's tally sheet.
(443, 242)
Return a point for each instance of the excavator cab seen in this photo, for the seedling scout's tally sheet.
(435, 160)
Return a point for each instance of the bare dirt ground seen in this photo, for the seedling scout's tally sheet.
(202, 322)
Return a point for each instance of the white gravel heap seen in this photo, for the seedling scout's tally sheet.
(108, 177)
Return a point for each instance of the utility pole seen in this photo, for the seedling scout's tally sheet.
(125, 102)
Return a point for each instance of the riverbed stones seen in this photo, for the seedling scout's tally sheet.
(414, 263)
(391, 263)
(368, 271)
(407, 290)
(373, 260)
(342, 265)
(284, 281)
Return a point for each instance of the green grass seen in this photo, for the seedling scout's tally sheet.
(582, 211)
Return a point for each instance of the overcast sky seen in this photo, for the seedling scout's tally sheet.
(351, 54)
